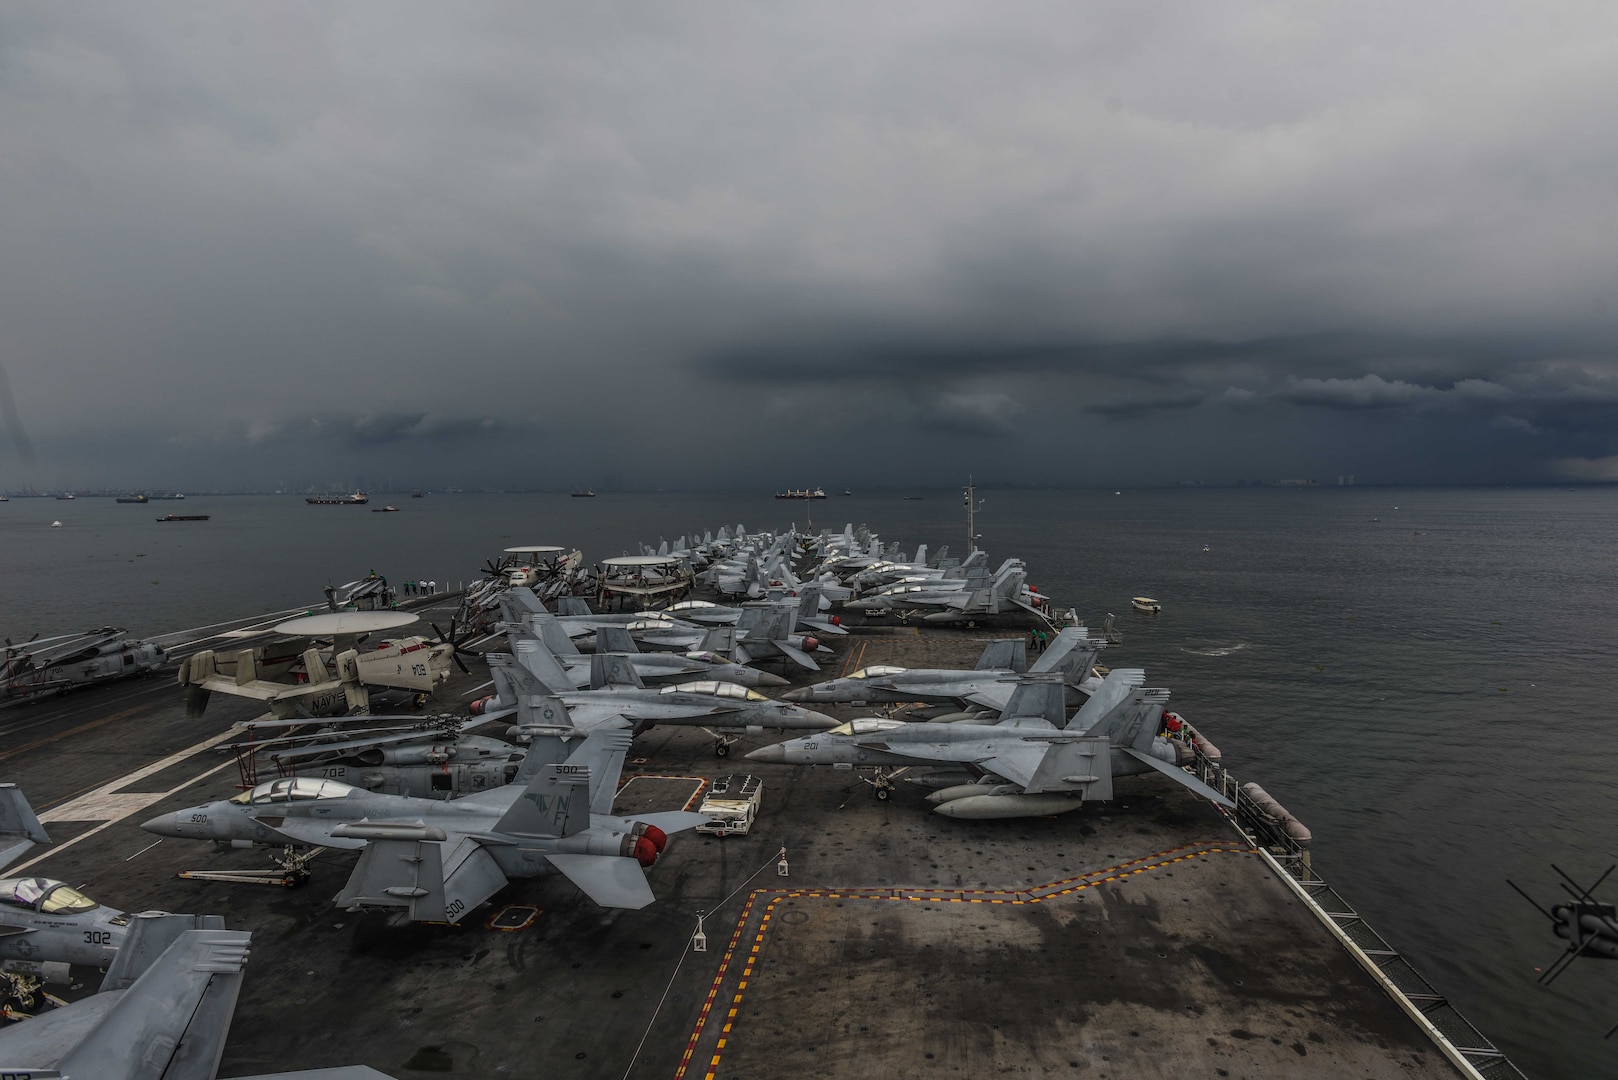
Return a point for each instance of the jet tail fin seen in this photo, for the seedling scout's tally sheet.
(1114, 690)
(615, 639)
(609, 669)
(572, 605)
(1037, 697)
(1004, 653)
(175, 1016)
(1071, 652)
(19, 827)
(542, 664)
(552, 633)
(547, 806)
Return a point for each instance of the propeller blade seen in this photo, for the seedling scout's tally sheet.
(456, 656)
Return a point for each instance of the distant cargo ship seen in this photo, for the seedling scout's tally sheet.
(185, 517)
(138, 498)
(805, 493)
(359, 498)
(588, 493)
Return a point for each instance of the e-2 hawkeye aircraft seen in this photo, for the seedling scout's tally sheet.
(294, 681)
(433, 861)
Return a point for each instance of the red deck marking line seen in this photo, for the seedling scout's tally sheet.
(713, 991)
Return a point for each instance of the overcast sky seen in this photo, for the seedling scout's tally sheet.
(707, 245)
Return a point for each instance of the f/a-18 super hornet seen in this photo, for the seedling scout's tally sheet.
(45, 924)
(163, 1011)
(723, 710)
(1029, 764)
(56, 664)
(294, 678)
(1004, 597)
(988, 686)
(653, 668)
(426, 860)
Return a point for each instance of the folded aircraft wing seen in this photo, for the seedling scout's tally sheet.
(1017, 761)
(1180, 776)
(994, 696)
(613, 881)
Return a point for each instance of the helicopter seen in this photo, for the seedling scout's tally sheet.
(57, 664)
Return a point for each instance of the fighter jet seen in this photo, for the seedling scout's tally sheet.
(47, 925)
(988, 686)
(436, 861)
(652, 668)
(56, 664)
(723, 710)
(1029, 764)
(163, 1011)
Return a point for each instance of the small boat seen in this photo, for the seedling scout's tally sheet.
(185, 517)
(359, 498)
(847, 492)
(388, 509)
(1145, 603)
(66, 495)
(56, 524)
(1207, 547)
(914, 498)
(587, 493)
(417, 495)
(137, 498)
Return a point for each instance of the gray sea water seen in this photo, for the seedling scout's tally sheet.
(1429, 692)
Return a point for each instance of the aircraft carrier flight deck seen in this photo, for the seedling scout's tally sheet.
(845, 935)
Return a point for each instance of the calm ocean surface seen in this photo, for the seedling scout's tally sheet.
(1429, 693)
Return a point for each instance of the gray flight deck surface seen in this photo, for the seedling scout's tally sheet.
(1136, 939)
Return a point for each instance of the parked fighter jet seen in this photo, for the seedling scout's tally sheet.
(723, 710)
(989, 685)
(652, 668)
(406, 663)
(1029, 765)
(437, 861)
(55, 664)
(45, 924)
(163, 1011)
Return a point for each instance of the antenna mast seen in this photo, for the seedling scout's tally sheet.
(973, 505)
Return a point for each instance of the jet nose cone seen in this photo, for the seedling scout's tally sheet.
(767, 679)
(821, 720)
(802, 693)
(164, 825)
(774, 754)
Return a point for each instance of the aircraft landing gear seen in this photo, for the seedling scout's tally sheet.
(882, 781)
(722, 744)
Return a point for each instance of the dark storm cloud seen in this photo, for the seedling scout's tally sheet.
(830, 232)
(1134, 406)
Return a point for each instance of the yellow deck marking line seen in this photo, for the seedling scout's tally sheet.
(1155, 861)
